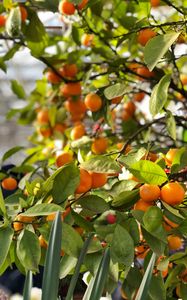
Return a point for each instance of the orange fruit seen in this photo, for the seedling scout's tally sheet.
(59, 127)
(149, 192)
(45, 131)
(142, 205)
(125, 116)
(19, 221)
(117, 100)
(85, 183)
(52, 77)
(64, 158)
(24, 13)
(77, 132)
(93, 102)
(130, 108)
(42, 242)
(2, 20)
(155, 3)
(66, 7)
(144, 72)
(43, 116)
(70, 89)
(82, 4)
(75, 106)
(98, 179)
(170, 155)
(87, 40)
(69, 70)
(138, 97)
(174, 242)
(9, 183)
(170, 223)
(145, 35)
(99, 145)
(52, 216)
(172, 193)
(120, 146)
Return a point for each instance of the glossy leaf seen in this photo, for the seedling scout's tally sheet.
(171, 125)
(67, 264)
(115, 90)
(126, 199)
(42, 209)
(101, 164)
(148, 172)
(122, 246)
(28, 250)
(159, 95)
(157, 47)
(94, 203)
(6, 235)
(11, 152)
(71, 240)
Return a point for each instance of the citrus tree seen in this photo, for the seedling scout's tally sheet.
(109, 119)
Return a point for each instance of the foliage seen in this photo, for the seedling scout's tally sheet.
(90, 159)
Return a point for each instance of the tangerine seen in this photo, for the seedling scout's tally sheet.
(78, 131)
(66, 7)
(174, 242)
(64, 158)
(142, 205)
(149, 192)
(69, 70)
(93, 102)
(85, 183)
(98, 179)
(9, 184)
(99, 145)
(145, 35)
(71, 89)
(172, 193)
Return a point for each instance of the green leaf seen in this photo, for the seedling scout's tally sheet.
(149, 172)
(115, 90)
(80, 221)
(94, 203)
(171, 125)
(65, 183)
(132, 157)
(123, 185)
(3, 66)
(156, 244)
(159, 95)
(50, 281)
(2, 203)
(101, 164)
(27, 286)
(18, 89)
(145, 284)
(11, 152)
(179, 161)
(77, 268)
(71, 240)
(101, 276)
(35, 31)
(122, 247)
(42, 209)
(157, 47)
(67, 264)
(6, 235)
(126, 199)
(13, 23)
(28, 250)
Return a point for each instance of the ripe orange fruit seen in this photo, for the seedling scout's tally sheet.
(85, 183)
(142, 205)
(52, 216)
(45, 131)
(99, 145)
(75, 106)
(170, 155)
(19, 221)
(9, 184)
(77, 132)
(66, 7)
(82, 4)
(59, 127)
(69, 70)
(42, 242)
(24, 13)
(155, 3)
(117, 100)
(120, 146)
(145, 35)
(64, 158)
(174, 242)
(144, 72)
(98, 179)
(71, 89)
(43, 116)
(138, 97)
(52, 77)
(172, 193)
(125, 116)
(168, 224)
(87, 40)
(2, 20)
(130, 108)
(149, 192)
(93, 102)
